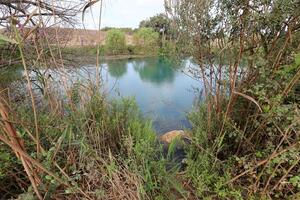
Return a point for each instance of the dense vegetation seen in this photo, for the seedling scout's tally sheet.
(153, 37)
(244, 142)
(146, 40)
(246, 139)
(115, 41)
(143, 42)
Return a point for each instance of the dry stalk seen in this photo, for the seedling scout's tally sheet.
(12, 136)
(30, 92)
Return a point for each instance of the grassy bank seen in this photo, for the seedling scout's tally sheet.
(244, 142)
(88, 54)
(91, 149)
(84, 54)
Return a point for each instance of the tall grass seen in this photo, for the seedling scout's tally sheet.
(245, 141)
(76, 145)
(99, 150)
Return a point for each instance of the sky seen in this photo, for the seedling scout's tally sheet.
(122, 13)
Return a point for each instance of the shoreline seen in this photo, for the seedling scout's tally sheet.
(120, 57)
(84, 59)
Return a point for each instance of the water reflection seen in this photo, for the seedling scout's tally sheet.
(117, 68)
(154, 70)
(162, 92)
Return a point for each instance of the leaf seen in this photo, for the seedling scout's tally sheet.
(68, 191)
(297, 59)
(7, 39)
(249, 98)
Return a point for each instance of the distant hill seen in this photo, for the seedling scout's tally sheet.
(81, 37)
(75, 37)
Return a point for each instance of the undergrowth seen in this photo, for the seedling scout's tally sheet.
(257, 156)
(101, 150)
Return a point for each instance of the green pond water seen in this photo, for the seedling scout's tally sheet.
(162, 91)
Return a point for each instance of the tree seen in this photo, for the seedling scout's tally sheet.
(125, 30)
(32, 20)
(23, 12)
(250, 89)
(115, 41)
(159, 23)
(147, 40)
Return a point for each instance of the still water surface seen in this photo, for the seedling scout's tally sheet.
(162, 91)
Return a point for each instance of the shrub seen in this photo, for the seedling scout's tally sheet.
(146, 39)
(131, 49)
(104, 143)
(168, 49)
(115, 42)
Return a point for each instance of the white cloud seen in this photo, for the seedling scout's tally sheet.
(123, 13)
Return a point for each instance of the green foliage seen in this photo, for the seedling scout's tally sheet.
(295, 181)
(7, 76)
(132, 49)
(146, 39)
(145, 155)
(251, 116)
(2, 43)
(83, 51)
(237, 150)
(160, 23)
(115, 41)
(98, 141)
(297, 59)
(168, 49)
(207, 173)
(216, 158)
(27, 196)
(125, 30)
(146, 42)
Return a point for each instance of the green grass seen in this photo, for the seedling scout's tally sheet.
(2, 43)
(107, 144)
(9, 75)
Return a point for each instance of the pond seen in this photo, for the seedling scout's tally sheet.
(163, 92)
